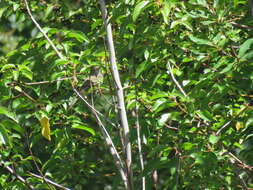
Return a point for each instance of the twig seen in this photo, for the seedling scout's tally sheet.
(47, 81)
(155, 179)
(223, 127)
(18, 176)
(49, 181)
(107, 138)
(228, 123)
(175, 81)
(120, 93)
(242, 164)
(22, 93)
(42, 31)
(242, 25)
(28, 96)
(169, 127)
(139, 142)
(93, 108)
(34, 161)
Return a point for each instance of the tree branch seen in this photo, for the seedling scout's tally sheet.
(108, 140)
(175, 81)
(18, 176)
(42, 31)
(120, 93)
(49, 181)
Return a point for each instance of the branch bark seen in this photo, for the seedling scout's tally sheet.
(120, 93)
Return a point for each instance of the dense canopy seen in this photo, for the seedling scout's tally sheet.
(172, 111)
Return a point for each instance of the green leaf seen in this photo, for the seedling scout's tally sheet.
(249, 122)
(79, 36)
(181, 22)
(4, 136)
(204, 114)
(245, 47)
(158, 103)
(188, 146)
(213, 139)
(141, 68)
(85, 128)
(202, 2)
(227, 68)
(138, 9)
(7, 113)
(26, 72)
(167, 5)
(9, 124)
(199, 40)
(8, 66)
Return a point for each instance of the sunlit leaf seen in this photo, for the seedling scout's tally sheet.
(247, 45)
(199, 40)
(238, 125)
(78, 35)
(188, 146)
(204, 114)
(45, 128)
(213, 139)
(85, 128)
(6, 112)
(138, 9)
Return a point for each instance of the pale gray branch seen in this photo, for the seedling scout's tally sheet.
(107, 138)
(120, 93)
(18, 176)
(175, 80)
(49, 181)
(42, 31)
(139, 142)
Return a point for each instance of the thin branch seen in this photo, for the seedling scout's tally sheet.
(93, 108)
(228, 123)
(120, 93)
(139, 142)
(107, 138)
(241, 25)
(18, 176)
(47, 81)
(175, 81)
(34, 161)
(42, 31)
(223, 127)
(49, 181)
(241, 163)
(155, 179)
(169, 127)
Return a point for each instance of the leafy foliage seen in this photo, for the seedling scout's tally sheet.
(201, 140)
